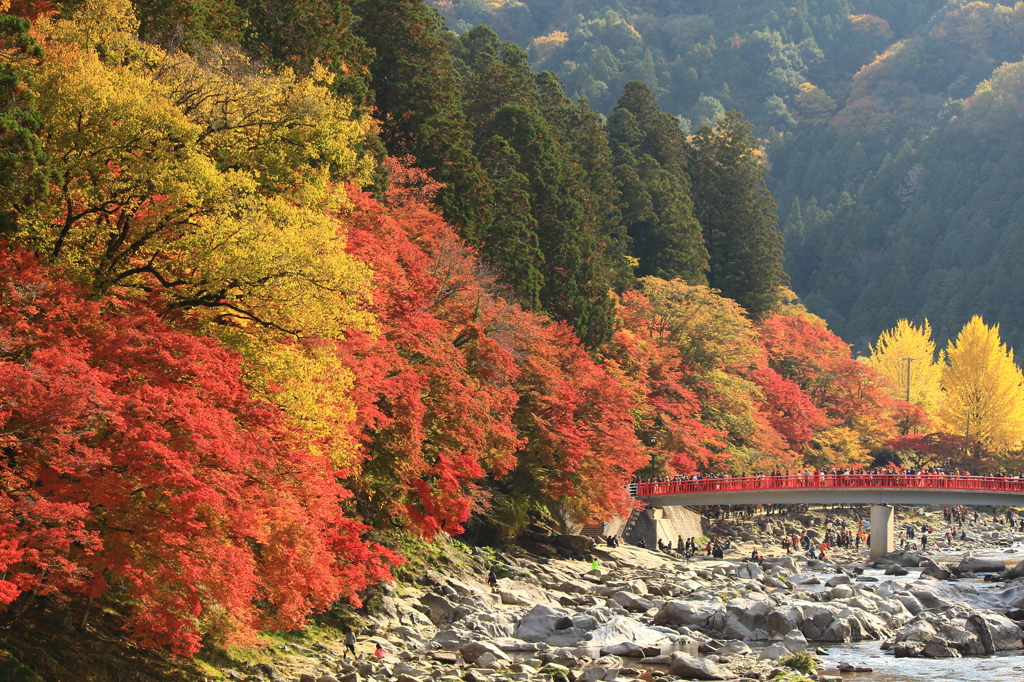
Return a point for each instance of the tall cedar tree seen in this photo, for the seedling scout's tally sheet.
(736, 213)
(418, 103)
(574, 286)
(583, 133)
(497, 76)
(495, 73)
(650, 165)
(297, 33)
(25, 170)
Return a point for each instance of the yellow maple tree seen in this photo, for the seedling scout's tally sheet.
(984, 389)
(905, 355)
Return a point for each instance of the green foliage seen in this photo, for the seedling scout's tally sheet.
(651, 172)
(417, 102)
(802, 662)
(736, 213)
(25, 170)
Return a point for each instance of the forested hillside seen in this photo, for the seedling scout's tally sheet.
(892, 140)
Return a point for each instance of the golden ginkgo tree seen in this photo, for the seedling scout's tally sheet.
(905, 355)
(984, 389)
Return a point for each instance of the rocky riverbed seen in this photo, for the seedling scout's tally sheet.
(655, 615)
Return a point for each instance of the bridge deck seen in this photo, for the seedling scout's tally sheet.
(835, 488)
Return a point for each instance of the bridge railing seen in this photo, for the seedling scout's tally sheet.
(819, 481)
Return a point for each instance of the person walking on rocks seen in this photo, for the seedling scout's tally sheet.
(924, 542)
(350, 642)
(492, 579)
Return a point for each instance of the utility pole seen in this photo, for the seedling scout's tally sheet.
(909, 360)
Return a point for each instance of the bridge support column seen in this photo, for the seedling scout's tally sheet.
(883, 522)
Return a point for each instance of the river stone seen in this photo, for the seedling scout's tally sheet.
(896, 569)
(541, 622)
(733, 647)
(632, 602)
(795, 642)
(979, 565)
(474, 650)
(402, 668)
(441, 610)
(773, 652)
(622, 629)
(840, 592)
(839, 630)
(935, 571)
(597, 674)
(900, 558)
(626, 649)
(693, 613)
(693, 668)
(841, 579)
(937, 647)
(784, 620)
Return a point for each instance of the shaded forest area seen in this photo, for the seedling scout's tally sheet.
(892, 131)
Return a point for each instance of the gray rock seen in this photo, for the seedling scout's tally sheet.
(474, 650)
(403, 668)
(900, 558)
(773, 652)
(795, 642)
(692, 613)
(979, 565)
(937, 647)
(541, 622)
(632, 602)
(693, 668)
(733, 647)
(306, 677)
(441, 610)
(841, 579)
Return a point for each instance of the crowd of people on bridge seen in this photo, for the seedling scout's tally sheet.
(888, 469)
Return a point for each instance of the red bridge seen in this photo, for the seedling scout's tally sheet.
(835, 488)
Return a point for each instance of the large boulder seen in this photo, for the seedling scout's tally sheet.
(692, 613)
(795, 642)
(576, 546)
(693, 668)
(744, 616)
(621, 629)
(749, 571)
(441, 610)
(783, 620)
(474, 650)
(632, 602)
(980, 565)
(901, 558)
(541, 622)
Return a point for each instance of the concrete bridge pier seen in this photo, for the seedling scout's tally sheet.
(883, 522)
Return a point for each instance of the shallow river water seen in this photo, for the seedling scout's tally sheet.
(1007, 667)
